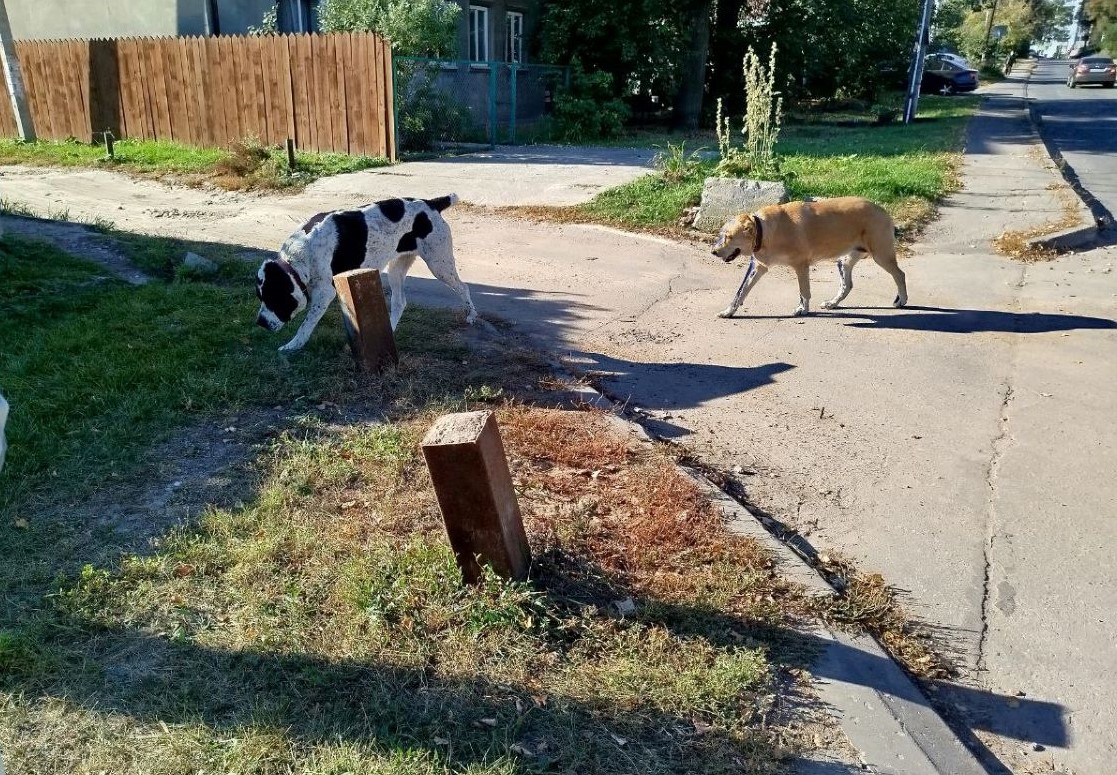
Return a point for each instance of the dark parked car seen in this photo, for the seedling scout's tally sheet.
(942, 76)
(1100, 70)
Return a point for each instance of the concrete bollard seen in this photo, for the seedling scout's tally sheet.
(366, 319)
(468, 466)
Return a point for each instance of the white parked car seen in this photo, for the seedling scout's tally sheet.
(954, 59)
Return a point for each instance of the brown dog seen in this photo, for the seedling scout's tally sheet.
(799, 234)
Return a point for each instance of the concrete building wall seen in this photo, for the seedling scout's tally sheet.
(49, 19)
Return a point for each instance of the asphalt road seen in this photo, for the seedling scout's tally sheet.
(1082, 123)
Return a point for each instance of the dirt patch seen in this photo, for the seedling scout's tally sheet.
(80, 241)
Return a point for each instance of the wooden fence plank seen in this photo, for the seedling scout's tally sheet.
(381, 145)
(213, 90)
(354, 99)
(259, 77)
(159, 91)
(388, 100)
(286, 86)
(319, 95)
(366, 59)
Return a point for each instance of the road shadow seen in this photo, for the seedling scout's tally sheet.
(969, 321)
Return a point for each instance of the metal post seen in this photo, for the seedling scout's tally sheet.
(988, 32)
(24, 125)
(514, 68)
(911, 103)
(395, 103)
(492, 102)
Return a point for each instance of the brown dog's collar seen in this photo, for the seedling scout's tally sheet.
(758, 232)
(290, 270)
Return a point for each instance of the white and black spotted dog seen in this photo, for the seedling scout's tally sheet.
(387, 236)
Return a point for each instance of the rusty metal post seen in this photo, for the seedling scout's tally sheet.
(366, 319)
(465, 455)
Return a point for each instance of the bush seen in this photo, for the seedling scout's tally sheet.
(587, 110)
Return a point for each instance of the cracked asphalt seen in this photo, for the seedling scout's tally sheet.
(963, 446)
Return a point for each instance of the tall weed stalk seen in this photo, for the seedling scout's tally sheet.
(761, 125)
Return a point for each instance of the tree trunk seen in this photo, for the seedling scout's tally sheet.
(692, 73)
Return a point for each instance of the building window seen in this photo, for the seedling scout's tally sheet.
(478, 33)
(515, 49)
(298, 15)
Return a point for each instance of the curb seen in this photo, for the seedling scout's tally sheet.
(882, 712)
(1091, 212)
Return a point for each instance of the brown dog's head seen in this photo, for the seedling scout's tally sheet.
(736, 237)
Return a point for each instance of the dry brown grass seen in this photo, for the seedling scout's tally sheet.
(1015, 243)
(869, 604)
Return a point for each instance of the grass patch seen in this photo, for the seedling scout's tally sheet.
(314, 623)
(244, 166)
(906, 169)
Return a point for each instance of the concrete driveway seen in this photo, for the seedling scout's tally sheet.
(507, 175)
(962, 446)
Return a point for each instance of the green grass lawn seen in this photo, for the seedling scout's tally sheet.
(291, 604)
(244, 166)
(904, 168)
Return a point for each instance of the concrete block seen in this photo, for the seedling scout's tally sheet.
(366, 319)
(725, 198)
(469, 469)
(199, 264)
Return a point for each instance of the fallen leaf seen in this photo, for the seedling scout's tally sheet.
(1046, 395)
(184, 570)
(522, 749)
(620, 740)
(441, 741)
(22, 523)
(489, 722)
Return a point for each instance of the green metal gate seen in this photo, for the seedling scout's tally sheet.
(443, 103)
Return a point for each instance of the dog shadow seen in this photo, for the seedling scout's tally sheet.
(968, 321)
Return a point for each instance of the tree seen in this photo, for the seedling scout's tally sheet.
(1026, 23)
(415, 27)
(1100, 17)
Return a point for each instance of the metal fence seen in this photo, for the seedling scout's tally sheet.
(442, 103)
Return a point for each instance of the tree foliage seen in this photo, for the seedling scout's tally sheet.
(963, 25)
(415, 27)
(1100, 18)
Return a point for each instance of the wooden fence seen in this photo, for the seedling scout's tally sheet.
(327, 92)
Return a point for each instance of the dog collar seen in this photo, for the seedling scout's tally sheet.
(758, 229)
(290, 270)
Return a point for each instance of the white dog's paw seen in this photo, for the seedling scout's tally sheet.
(801, 312)
(900, 301)
(832, 304)
(728, 312)
(290, 347)
(471, 318)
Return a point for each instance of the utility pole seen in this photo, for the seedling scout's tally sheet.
(15, 79)
(988, 32)
(922, 38)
